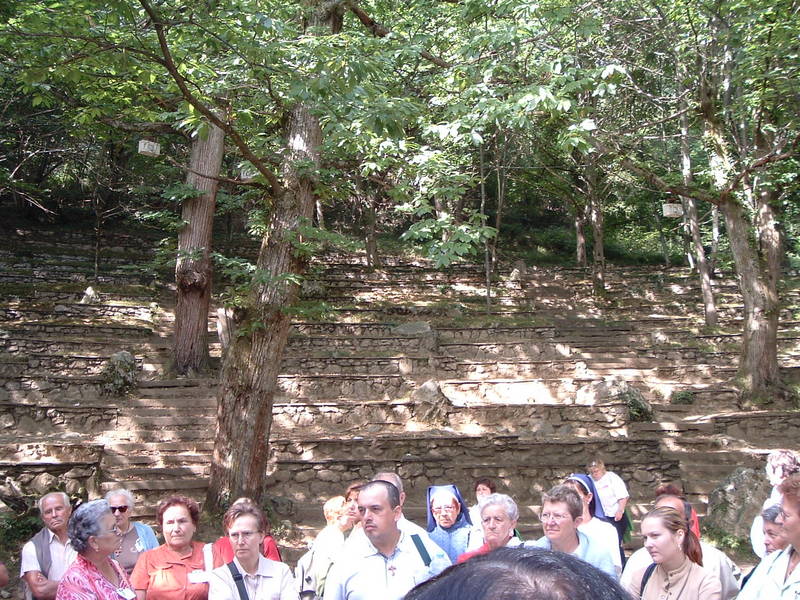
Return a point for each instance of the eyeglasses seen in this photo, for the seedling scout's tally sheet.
(120, 509)
(557, 517)
(244, 535)
(443, 509)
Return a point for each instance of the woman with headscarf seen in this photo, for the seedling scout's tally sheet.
(593, 523)
(449, 524)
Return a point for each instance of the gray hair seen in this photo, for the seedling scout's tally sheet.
(122, 492)
(771, 514)
(40, 502)
(512, 512)
(85, 523)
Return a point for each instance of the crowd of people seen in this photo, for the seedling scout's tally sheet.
(369, 550)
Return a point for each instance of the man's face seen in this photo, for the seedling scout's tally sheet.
(445, 511)
(55, 513)
(378, 518)
(558, 524)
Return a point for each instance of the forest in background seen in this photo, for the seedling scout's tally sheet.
(553, 131)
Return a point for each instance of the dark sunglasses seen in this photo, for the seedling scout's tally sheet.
(119, 509)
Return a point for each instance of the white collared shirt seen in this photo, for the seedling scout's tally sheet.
(769, 581)
(363, 573)
(271, 581)
(61, 557)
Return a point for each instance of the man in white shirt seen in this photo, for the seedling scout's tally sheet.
(387, 562)
(49, 553)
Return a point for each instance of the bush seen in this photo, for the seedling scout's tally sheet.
(119, 374)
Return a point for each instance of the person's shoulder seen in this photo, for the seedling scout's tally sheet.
(542, 542)
(267, 566)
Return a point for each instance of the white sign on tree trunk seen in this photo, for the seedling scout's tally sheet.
(672, 210)
(149, 148)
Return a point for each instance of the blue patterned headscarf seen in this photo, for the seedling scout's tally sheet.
(595, 506)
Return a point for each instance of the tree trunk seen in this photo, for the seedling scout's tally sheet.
(250, 373)
(371, 240)
(580, 237)
(596, 218)
(759, 375)
(690, 213)
(193, 270)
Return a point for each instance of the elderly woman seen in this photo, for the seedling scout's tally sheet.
(499, 514)
(175, 570)
(777, 577)
(94, 574)
(449, 524)
(780, 464)
(136, 536)
(263, 579)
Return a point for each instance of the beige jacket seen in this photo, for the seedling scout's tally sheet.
(688, 582)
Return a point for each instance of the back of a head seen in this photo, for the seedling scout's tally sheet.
(520, 574)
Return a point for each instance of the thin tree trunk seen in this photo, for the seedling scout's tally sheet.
(580, 236)
(193, 270)
(487, 254)
(662, 239)
(250, 373)
(371, 219)
(596, 219)
(712, 259)
(690, 214)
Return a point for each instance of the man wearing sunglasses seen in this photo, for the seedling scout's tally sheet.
(136, 537)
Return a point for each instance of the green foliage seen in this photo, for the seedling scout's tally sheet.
(119, 374)
(739, 547)
(682, 397)
(639, 411)
(15, 530)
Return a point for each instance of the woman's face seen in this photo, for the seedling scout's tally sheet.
(663, 545)
(790, 513)
(481, 491)
(597, 472)
(774, 537)
(121, 509)
(107, 542)
(178, 527)
(245, 538)
(497, 527)
(351, 507)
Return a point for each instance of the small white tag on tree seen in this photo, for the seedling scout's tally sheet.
(149, 148)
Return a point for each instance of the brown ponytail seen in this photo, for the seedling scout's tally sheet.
(674, 522)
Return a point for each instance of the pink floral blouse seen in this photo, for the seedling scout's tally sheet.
(82, 581)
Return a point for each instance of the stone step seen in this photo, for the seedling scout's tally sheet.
(32, 313)
(91, 330)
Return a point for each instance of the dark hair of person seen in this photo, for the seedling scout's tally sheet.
(391, 491)
(567, 495)
(674, 521)
(243, 508)
(177, 500)
(520, 574)
(790, 488)
(669, 489)
(487, 482)
(353, 487)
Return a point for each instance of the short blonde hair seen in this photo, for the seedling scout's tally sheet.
(333, 508)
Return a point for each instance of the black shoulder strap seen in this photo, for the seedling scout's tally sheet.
(647, 573)
(239, 581)
(423, 551)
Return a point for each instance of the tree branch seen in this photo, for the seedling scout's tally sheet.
(246, 182)
(209, 114)
(379, 30)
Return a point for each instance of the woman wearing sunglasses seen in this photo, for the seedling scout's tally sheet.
(136, 537)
